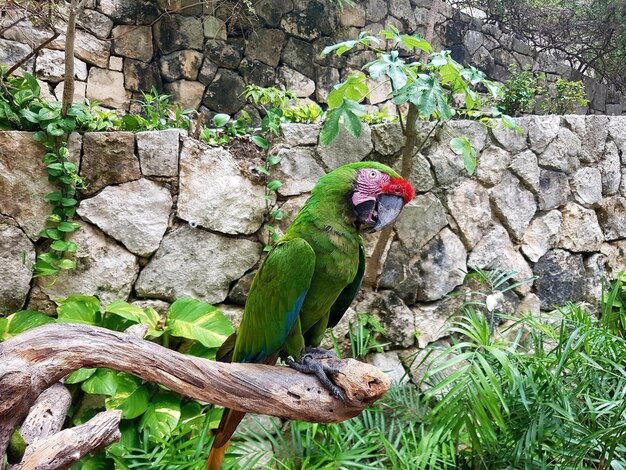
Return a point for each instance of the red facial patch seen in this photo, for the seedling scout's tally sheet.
(399, 187)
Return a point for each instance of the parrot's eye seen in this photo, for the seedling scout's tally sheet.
(373, 174)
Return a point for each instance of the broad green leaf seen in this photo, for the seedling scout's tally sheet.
(102, 382)
(274, 185)
(79, 309)
(260, 141)
(3, 327)
(194, 319)
(462, 146)
(43, 268)
(330, 128)
(59, 245)
(199, 350)
(220, 119)
(68, 227)
(67, 264)
(273, 160)
(80, 375)
(162, 416)
(130, 396)
(147, 316)
(25, 320)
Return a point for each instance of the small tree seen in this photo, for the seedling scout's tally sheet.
(426, 88)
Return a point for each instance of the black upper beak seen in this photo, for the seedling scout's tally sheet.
(376, 215)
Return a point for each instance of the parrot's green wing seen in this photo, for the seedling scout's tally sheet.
(349, 293)
(275, 299)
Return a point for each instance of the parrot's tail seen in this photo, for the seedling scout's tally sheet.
(229, 422)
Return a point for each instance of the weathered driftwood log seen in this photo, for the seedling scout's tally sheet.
(62, 449)
(33, 361)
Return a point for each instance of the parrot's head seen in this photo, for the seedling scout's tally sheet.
(378, 195)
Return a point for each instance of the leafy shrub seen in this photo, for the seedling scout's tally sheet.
(519, 91)
(567, 96)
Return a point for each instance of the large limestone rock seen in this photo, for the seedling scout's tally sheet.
(297, 55)
(187, 93)
(542, 235)
(134, 42)
(492, 163)
(158, 152)
(50, 66)
(265, 45)
(525, 167)
(389, 362)
(420, 221)
(469, 206)
(612, 217)
(495, 251)
(139, 76)
(560, 276)
(17, 254)
(108, 158)
(395, 317)
(431, 319)
(224, 93)
(542, 130)
(135, 213)
(617, 131)
(298, 83)
(298, 171)
(12, 51)
(214, 28)
(587, 186)
(440, 266)
(615, 255)
(103, 268)
(215, 194)
(96, 23)
(387, 138)
(226, 54)
(196, 263)
(181, 64)
(592, 132)
(299, 134)
(562, 153)
(580, 231)
(177, 32)
(107, 88)
(92, 50)
(24, 182)
(610, 170)
(554, 190)
(346, 148)
(510, 139)
(514, 205)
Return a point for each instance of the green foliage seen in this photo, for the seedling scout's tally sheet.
(153, 418)
(281, 106)
(429, 86)
(520, 90)
(156, 113)
(613, 312)
(361, 333)
(270, 193)
(226, 129)
(567, 96)
(524, 86)
(22, 108)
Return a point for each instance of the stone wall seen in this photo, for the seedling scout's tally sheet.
(204, 58)
(166, 216)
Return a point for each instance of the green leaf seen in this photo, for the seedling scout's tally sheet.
(68, 227)
(78, 309)
(194, 319)
(67, 264)
(130, 396)
(147, 316)
(330, 128)
(43, 268)
(68, 201)
(161, 417)
(462, 146)
(55, 196)
(3, 327)
(25, 320)
(274, 185)
(273, 160)
(102, 382)
(260, 141)
(220, 120)
(199, 350)
(59, 245)
(80, 375)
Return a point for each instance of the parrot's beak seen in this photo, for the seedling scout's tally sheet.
(376, 215)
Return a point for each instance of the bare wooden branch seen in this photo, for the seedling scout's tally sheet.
(35, 359)
(62, 449)
(47, 415)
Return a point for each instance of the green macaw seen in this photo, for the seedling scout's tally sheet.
(311, 276)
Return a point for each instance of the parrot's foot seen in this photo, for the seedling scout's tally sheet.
(320, 353)
(308, 364)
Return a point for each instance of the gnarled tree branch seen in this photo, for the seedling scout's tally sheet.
(33, 361)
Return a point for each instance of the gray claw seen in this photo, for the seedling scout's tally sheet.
(307, 364)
